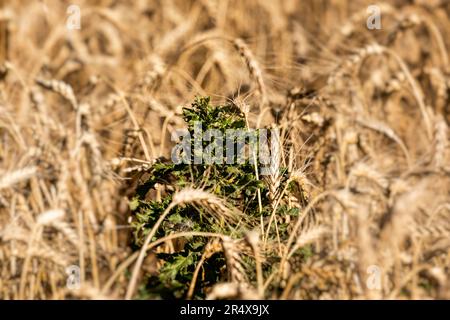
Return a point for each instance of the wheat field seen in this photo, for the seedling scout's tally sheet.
(363, 171)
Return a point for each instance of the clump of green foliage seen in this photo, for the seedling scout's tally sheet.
(237, 183)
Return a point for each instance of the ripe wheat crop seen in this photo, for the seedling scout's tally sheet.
(353, 201)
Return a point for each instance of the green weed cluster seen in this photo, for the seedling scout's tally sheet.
(237, 183)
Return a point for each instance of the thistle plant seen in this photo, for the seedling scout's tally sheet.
(235, 183)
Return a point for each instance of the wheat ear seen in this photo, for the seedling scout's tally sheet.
(61, 88)
(11, 178)
(253, 67)
(235, 267)
(440, 143)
